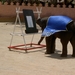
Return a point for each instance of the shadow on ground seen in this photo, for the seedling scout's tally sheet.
(57, 55)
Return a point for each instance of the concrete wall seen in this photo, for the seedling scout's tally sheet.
(8, 12)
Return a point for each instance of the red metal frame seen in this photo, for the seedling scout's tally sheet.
(32, 46)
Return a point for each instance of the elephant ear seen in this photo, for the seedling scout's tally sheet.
(42, 22)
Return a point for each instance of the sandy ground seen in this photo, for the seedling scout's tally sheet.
(35, 62)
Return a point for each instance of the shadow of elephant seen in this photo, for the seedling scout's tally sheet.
(64, 36)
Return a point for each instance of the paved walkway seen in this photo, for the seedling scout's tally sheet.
(35, 62)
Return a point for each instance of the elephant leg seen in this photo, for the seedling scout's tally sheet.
(50, 45)
(53, 44)
(72, 41)
(65, 38)
(64, 48)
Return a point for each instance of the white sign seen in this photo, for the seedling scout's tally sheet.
(29, 21)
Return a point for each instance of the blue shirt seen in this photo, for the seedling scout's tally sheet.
(56, 24)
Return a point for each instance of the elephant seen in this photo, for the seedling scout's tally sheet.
(65, 37)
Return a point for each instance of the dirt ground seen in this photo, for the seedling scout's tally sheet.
(35, 62)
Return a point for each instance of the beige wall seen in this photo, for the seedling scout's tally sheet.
(8, 12)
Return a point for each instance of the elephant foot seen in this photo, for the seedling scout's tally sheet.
(63, 55)
(49, 52)
(73, 55)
